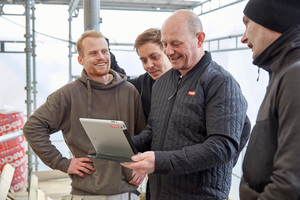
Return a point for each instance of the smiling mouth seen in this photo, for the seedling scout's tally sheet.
(173, 59)
(154, 72)
(100, 64)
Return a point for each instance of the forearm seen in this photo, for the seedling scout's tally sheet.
(215, 151)
(143, 141)
(37, 130)
(39, 139)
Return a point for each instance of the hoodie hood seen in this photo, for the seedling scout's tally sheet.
(117, 79)
(95, 85)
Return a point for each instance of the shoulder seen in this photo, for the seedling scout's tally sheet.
(128, 88)
(214, 70)
(72, 86)
(142, 81)
(168, 76)
(292, 70)
(289, 78)
(67, 91)
(214, 74)
(139, 79)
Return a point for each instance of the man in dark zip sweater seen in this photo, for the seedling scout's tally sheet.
(149, 47)
(271, 168)
(196, 120)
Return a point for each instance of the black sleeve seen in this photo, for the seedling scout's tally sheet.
(244, 138)
(137, 82)
(113, 62)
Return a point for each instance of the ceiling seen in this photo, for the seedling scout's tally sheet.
(143, 5)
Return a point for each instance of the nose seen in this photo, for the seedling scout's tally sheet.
(244, 39)
(100, 55)
(168, 50)
(150, 64)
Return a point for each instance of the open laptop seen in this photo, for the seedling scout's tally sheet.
(110, 139)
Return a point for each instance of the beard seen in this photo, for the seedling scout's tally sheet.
(100, 72)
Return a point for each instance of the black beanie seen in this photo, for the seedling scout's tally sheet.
(277, 15)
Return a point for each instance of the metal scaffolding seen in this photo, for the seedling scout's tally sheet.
(92, 20)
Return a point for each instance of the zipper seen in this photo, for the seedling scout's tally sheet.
(172, 97)
(176, 89)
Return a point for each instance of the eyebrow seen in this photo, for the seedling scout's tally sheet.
(245, 19)
(152, 54)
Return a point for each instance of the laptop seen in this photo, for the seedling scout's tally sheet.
(110, 139)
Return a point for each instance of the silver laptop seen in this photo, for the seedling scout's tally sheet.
(110, 139)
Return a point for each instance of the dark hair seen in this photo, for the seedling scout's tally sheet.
(152, 35)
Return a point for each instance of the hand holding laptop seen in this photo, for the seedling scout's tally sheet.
(143, 163)
(110, 139)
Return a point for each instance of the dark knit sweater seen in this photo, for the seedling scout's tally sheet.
(144, 84)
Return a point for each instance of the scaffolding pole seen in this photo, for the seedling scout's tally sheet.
(91, 15)
(28, 87)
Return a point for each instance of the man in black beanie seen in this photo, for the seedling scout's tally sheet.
(271, 168)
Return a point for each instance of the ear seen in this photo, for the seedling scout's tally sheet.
(80, 60)
(200, 37)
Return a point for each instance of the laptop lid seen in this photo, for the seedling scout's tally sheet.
(110, 139)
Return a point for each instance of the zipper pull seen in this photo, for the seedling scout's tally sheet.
(176, 89)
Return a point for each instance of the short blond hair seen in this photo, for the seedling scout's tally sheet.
(89, 33)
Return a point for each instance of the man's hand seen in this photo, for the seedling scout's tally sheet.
(80, 165)
(137, 178)
(142, 163)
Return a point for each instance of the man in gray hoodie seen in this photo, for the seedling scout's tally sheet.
(99, 93)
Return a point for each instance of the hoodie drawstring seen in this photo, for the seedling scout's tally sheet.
(89, 97)
(117, 104)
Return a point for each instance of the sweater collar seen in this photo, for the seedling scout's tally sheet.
(117, 80)
(274, 57)
(205, 59)
(94, 85)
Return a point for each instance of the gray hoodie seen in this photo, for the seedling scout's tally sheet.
(117, 100)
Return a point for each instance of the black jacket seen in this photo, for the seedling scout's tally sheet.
(144, 84)
(194, 128)
(113, 62)
(271, 166)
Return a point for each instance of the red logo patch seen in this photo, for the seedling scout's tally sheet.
(114, 125)
(191, 93)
